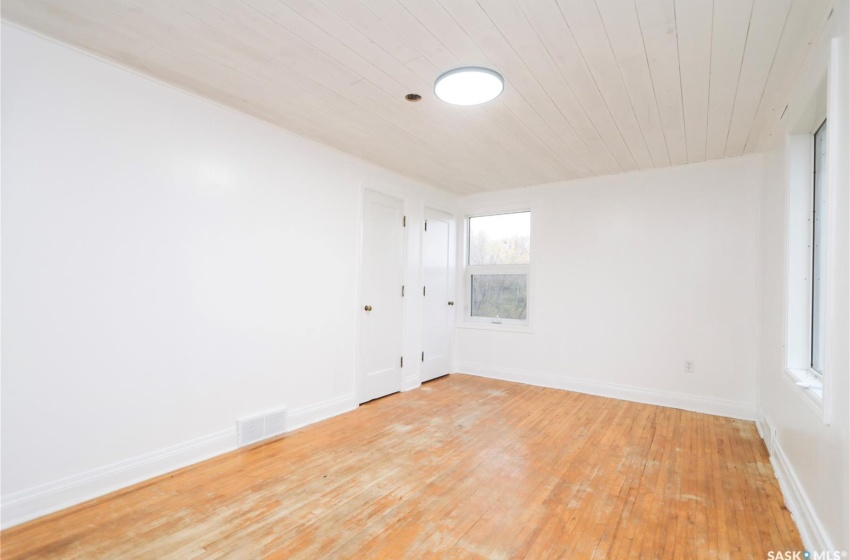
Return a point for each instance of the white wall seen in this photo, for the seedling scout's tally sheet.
(812, 458)
(632, 275)
(168, 267)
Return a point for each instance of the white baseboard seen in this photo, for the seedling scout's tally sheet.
(761, 428)
(410, 383)
(307, 415)
(812, 531)
(35, 502)
(707, 405)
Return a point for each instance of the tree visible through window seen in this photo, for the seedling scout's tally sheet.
(499, 255)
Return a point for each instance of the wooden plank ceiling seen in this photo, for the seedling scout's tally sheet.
(592, 87)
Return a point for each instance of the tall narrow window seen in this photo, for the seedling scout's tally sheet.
(498, 260)
(818, 248)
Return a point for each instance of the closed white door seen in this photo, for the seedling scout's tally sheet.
(438, 305)
(381, 289)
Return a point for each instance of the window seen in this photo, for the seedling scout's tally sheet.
(807, 258)
(497, 268)
(817, 244)
(808, 254)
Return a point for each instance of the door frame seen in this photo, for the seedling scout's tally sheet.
(358, 288)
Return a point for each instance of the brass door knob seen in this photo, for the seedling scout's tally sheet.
(368, 308)
(451, 303)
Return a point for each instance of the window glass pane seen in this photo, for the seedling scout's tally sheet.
(818, 269)
(500, 239)
(499, 296)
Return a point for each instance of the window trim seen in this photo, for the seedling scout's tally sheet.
(810, 387)
(466, 320)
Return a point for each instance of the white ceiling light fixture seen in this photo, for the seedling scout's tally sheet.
(469, 86)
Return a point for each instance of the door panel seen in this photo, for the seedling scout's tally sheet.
(381, 309)
(437, 313)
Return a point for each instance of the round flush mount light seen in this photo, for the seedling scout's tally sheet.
(469, 86)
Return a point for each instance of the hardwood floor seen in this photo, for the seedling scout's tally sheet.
(463, 467)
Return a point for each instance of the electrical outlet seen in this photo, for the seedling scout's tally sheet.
(689, 366)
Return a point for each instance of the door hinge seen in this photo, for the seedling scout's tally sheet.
(423, 356)
(402, 361)
(402, 291)
(404, 221)
(423, 290)
(426, 225)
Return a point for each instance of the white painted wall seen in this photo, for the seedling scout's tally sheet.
(632, 275)
(168, 267)
(811, 457)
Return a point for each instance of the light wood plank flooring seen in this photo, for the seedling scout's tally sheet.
(463, 467)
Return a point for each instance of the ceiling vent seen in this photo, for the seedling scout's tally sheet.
(258, 428)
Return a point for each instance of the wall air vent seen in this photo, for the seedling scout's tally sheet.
(258, 428)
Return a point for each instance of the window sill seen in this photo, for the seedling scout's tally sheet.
(496, 327)
(809, 387)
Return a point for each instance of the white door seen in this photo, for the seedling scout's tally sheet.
(380, 306)
(438, 306)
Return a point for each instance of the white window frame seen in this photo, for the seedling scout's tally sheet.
(812, 386)
(815, 194)
(489, 323)
(798, 356)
